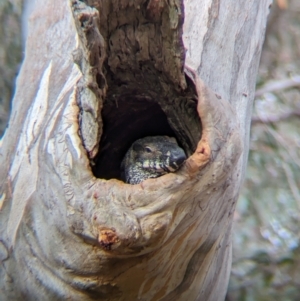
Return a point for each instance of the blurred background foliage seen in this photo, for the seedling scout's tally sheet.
(266, 251)
(266, 236)
(10, 54)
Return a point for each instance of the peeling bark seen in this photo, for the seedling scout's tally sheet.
(102, 74)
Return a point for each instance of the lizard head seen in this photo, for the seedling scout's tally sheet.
(151, 157)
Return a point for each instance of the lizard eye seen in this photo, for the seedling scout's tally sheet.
(148, 149)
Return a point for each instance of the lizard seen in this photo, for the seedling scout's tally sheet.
(151, 157)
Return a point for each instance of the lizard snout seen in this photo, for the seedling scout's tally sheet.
(176, 159)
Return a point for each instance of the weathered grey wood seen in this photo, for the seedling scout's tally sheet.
(68, 235)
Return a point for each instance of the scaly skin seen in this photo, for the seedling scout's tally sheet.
(151, 157)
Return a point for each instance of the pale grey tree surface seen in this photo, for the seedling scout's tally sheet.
(96, 77)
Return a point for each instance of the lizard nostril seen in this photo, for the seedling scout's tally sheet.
(176, 161)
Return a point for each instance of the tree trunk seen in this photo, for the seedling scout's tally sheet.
(96, 77)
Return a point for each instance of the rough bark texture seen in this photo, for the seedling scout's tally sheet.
(103, 74)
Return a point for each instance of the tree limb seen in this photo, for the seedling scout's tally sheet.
(279, 85)
(275, 118)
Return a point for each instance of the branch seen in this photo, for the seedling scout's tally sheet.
(4, 114)
(279, 85)
(275, 118)
(285, 144)
(291, 181)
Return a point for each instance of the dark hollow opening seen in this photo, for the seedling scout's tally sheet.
(133, 62)
(125, 120)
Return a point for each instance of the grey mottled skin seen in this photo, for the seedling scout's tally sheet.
(151, 157)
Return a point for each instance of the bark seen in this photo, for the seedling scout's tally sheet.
(96, 77)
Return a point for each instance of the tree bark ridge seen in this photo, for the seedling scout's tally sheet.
(80, 237)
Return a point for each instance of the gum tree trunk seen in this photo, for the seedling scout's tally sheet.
(98, 75)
